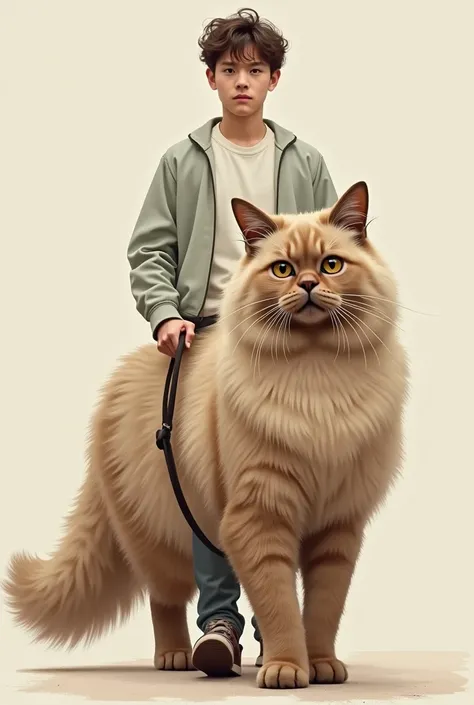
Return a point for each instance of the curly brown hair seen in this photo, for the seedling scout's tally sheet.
(236, 33)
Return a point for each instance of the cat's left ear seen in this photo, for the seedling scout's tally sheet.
(255, 224)
(350, 211)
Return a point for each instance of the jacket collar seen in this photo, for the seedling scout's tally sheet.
(202, 135)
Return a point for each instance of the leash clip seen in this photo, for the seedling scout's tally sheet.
(164, 433)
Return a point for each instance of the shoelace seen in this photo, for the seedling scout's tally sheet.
(223, 628)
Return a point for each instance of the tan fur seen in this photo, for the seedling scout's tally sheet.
(286, 443)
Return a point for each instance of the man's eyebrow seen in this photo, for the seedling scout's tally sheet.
(232, 63)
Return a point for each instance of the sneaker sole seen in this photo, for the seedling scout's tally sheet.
(212, 656)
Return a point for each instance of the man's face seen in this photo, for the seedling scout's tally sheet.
(235, 79)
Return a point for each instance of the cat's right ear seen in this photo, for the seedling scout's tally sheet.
(254, 223)
(350, 211)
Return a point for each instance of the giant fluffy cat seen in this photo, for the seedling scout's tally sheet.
(287, 437)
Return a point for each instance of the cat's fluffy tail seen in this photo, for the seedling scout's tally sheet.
(86, 588)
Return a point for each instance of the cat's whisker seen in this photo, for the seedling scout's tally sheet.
(271, 325)
(264, 319)
(251, 303)
(276, 335)
(358, 321)
(391, 301)
(368, 306)
(331, 244)
(255, 313)
(335, 327)
(286, 334)
(267, 313)
(261, 337)
(264, 231)
(289, 298)
(345, 316)
(344, 336)
(370, 329)
(254, 355)
(385, 319)
(282, 329)
(281, 332)
(278, 323)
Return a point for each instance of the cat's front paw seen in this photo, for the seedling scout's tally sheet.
(276, 674)
(327, 670)
(173, 661)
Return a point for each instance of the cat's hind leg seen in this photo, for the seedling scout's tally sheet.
(169, 581)
(171, 587)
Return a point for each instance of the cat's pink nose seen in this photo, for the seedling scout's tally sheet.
(308, 284)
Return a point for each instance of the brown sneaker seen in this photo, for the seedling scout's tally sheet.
(218, 652)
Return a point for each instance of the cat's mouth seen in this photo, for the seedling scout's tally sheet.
(318, 304)
(310, 314)
(309, 304)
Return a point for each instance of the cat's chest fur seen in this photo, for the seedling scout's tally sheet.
(319, 409)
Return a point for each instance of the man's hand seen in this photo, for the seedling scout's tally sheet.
(168, 335)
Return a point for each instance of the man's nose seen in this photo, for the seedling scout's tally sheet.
(242, 80)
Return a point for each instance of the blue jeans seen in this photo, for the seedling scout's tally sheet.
(219, 590)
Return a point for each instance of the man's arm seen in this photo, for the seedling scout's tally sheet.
(325, 194)
(152, 251)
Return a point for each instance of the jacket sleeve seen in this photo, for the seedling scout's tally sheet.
(153, 251)
(324, 191)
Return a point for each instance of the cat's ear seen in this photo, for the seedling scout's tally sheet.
(254, 223)
(350, 211)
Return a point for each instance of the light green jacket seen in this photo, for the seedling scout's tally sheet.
(171, 247)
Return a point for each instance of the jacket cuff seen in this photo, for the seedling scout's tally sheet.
(160, 314)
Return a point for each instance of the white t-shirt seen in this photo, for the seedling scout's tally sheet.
(241, 172)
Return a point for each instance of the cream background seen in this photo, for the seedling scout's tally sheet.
(92, 93)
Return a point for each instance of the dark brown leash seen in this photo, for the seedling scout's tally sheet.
(163, 435)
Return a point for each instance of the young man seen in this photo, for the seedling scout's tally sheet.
(186, 243)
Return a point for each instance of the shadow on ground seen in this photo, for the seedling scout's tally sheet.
(372, 676)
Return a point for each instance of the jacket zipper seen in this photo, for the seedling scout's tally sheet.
(214, 224)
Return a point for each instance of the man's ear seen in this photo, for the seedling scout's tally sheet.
(211, 79)
(255, 224)
(350, 211)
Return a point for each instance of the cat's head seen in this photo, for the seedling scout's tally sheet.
(311, 276)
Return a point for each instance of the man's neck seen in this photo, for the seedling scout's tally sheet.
(243, 131)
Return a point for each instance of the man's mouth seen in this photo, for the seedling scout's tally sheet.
(242, 97)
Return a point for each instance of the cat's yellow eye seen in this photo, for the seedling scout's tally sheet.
(332, 265)
(282, 270)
